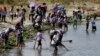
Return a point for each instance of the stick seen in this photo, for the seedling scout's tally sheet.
(64, 47)
(34, 45)
(70, 41)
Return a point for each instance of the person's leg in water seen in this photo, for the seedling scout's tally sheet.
(65, 27)
(12, 17)
(56, 45)
(64, 46)
(5, 18)
(60, 44)
(18, 36)
(93, 28)
(55, 53)
(56, 48)
(0, 15)
(21, 41)
(87, 26)
(39, 44)
(80, 18)
(32, 17)
(2, 18)
(59, 41)
(6, 40)
(18, 41)
(75, 24)
(51, 37)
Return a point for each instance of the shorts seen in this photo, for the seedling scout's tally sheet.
(94, 27)
(60, 25)
(39, 42)
(87, 25)
(20, 40)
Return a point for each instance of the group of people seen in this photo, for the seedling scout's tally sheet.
(57, 19)
(78, 15)
(3, 13)
(93, 22)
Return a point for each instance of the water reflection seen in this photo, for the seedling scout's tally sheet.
(87, 32)
(5, 54)
(93, 31)
(19, 52)
(39, 52)
(55, 53)
(75, 29)
(59, 53)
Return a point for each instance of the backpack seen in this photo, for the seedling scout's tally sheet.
(54, 40)
(39, 11)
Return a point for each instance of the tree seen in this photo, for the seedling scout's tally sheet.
(13, 1)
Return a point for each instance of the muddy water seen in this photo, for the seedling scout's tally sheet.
(84, 44)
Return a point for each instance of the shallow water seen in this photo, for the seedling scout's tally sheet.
(84, 44)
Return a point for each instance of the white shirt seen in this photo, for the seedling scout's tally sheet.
(51, 31)
(55, 38)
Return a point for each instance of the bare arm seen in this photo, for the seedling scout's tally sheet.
(14, 22)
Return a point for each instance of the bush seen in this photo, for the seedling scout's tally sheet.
(13, 2)
(1, 1)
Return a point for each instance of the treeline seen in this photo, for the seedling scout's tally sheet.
(6, 1)
(68, 1)
(13, 2)
(51, 1)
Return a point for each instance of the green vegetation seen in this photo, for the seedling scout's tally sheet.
(28, 33)
(29, 29)
(6, 1)
(13, 2)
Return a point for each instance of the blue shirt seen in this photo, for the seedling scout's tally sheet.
(3, 13)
